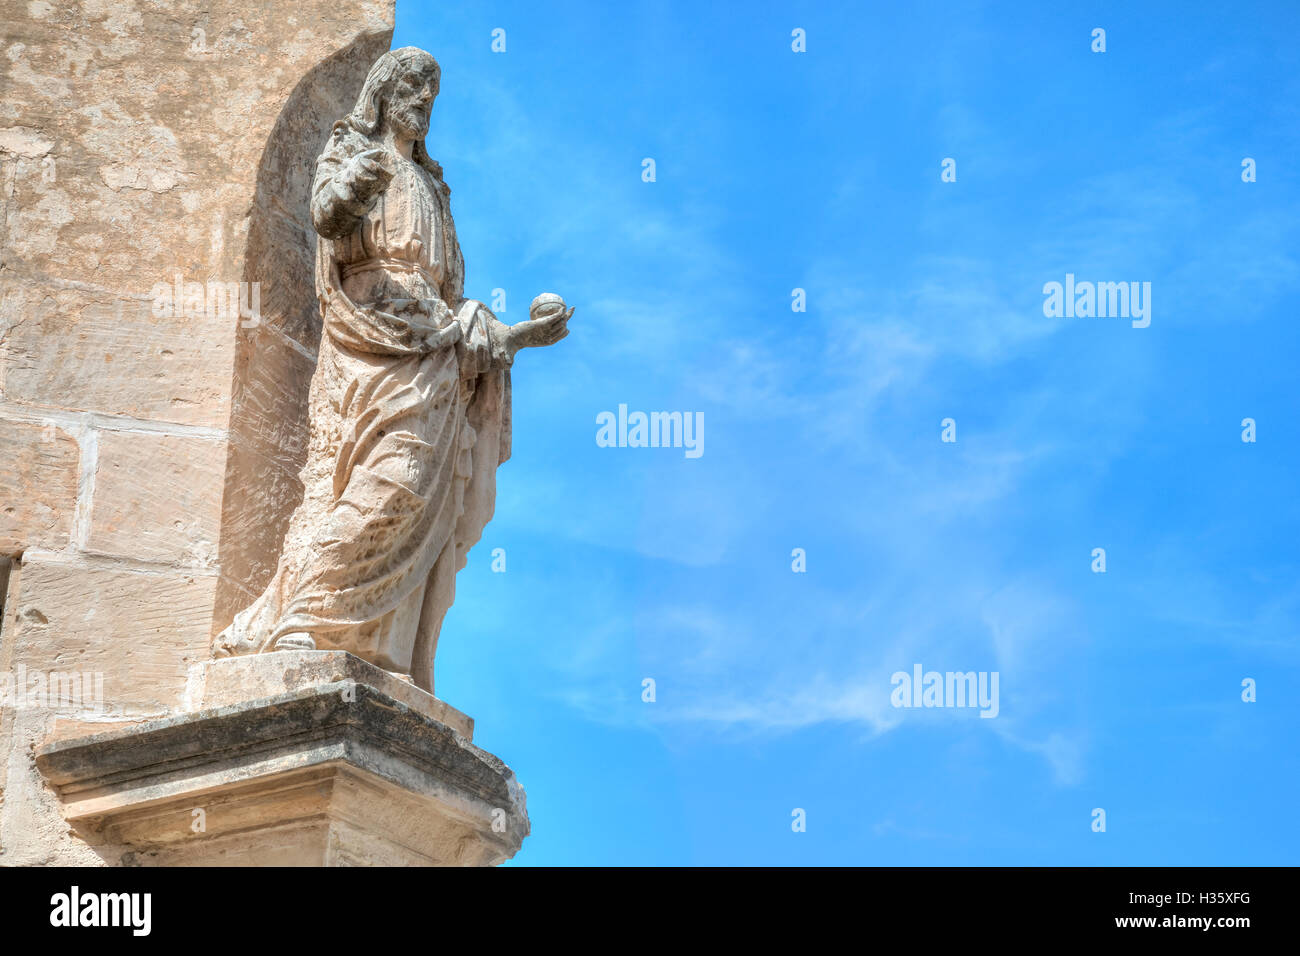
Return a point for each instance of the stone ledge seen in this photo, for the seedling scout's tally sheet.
(325, 775)
(236, 679)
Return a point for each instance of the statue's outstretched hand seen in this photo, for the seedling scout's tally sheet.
(548, 322)
(371, 172)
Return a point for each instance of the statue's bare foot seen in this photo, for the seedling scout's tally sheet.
(297, 641)
(225, 644)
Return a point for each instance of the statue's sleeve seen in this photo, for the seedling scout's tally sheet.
(338, 202)
(482, 340)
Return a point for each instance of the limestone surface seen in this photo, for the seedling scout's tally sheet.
(141, 142)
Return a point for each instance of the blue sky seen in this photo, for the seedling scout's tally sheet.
(821, 170)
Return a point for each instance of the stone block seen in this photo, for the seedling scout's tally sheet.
(141, 630)
(39, 472)
(157, 497)
(80, 351)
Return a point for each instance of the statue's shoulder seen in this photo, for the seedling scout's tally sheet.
(345, 140)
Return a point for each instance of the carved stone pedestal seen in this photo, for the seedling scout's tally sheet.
(309, 758)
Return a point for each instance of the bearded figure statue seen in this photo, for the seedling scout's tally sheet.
(409, 406)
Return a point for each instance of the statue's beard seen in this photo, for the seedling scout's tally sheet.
(412, 121)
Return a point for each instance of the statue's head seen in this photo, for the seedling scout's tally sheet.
(399, 92)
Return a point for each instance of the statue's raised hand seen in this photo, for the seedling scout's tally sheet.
(372, 171)
(548, 322)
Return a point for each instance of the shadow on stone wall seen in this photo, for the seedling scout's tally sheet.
(274, 361)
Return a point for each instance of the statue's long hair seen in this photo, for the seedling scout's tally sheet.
(368, 114)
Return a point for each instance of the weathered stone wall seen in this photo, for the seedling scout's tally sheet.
(148, 462)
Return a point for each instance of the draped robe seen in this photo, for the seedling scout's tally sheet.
(409, 415)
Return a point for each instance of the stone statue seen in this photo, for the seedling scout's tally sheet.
(410, 402)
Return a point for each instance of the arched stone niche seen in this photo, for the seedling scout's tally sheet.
(276, 355)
